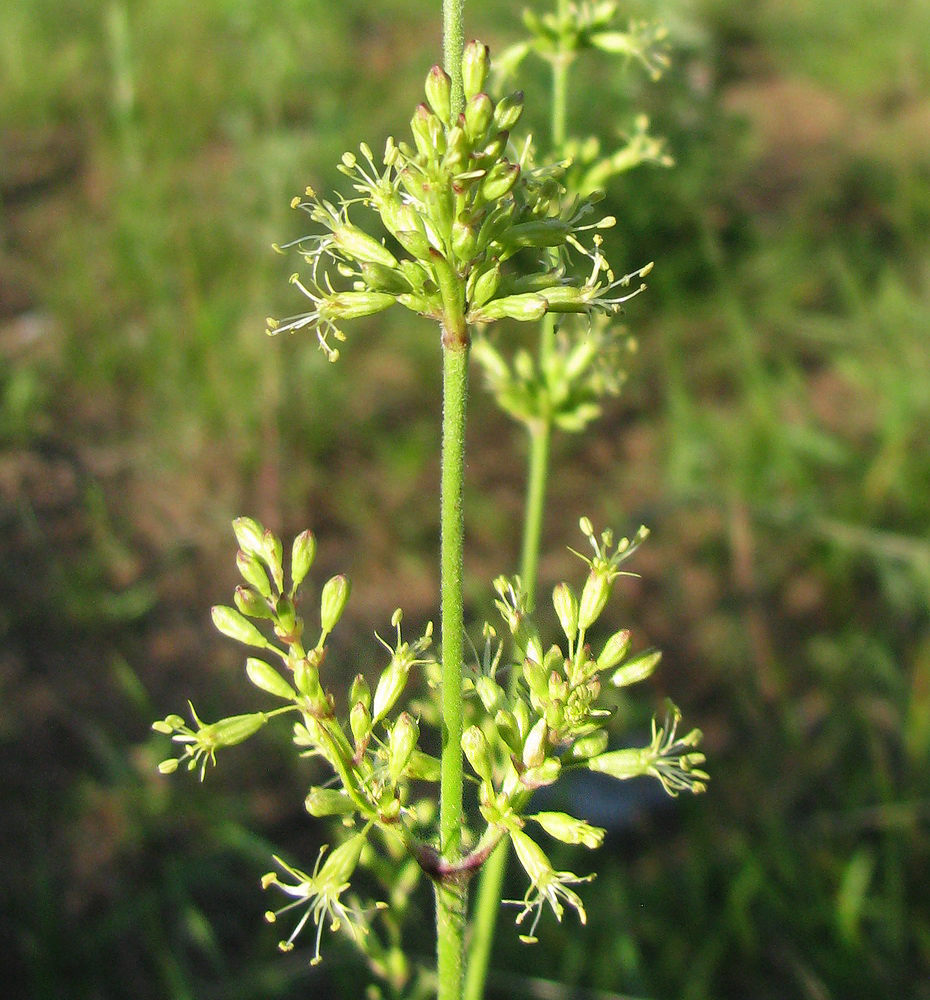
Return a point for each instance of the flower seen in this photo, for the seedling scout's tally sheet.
(546, 885)
(201, 745)
(320, 892)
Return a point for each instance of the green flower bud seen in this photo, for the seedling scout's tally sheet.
(303, 552)
(637, 669)
(358, 245)
(536, 745)
(251, 603)
(422, 767)
(536, 679)
(389, 687)
(594, 596)
(539, 233)
(354, 305)
(250, 535)
(590, 746)
(546, 774)
(569, 830)
(333, 601)
(360, 724)
(415, 243)
(439, 93)
(493, 149)
(615, 649)
(235, 729)
(338, 868)
(328, 802)
(482, 285)
(476, 62)
(506, 724)
(401, 744)
(476, 750)
(265, 677)
(491, 693)
(272, 554)
(526, 308)
(288, 626)
(500, 180)
(253, 573)
(464, 240)
(622, 764)
(479, 113)
(232, 624)
(425, 127)
(360, 691)
(521, 714)
(566, 607)
(509, 111)
(457, 149)
(384, 279)
(307, 679)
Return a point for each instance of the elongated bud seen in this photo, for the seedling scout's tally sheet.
(500, 180)
(251, 603)
(509, 111)
(439, 93)
(594, 596)
(403, 739)
(355, 305)
(360, 724)
(250, 535)
(360, 691)
(615, 649)
(491, 694)
(521, 714)
(637, 669)
(338, 868)
(384, 279)
(303, 552)
(622, 764)
(265, 677)
(328, 802)
(288, 626)
(508, 730)
(423, 132)
(527, 308)
(464, 240)
(235, 729)
(476, 61)
(476, 750)
(307, 679)
(569, 830)
(231, 623)
(389, 687)
(566, 607)
(536, 679)
(590, 746)
(484, 286)
(546, 774)
(479, 113)
(423, 767)
(358, 245)
(333, 601)
(253, 573)
(539, 233)
(534, 750)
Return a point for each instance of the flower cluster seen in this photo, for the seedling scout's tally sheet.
(457, 205)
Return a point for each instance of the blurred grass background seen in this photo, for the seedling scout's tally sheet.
(774, 436)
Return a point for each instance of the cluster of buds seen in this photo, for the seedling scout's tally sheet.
(551, 722)
(457, 205)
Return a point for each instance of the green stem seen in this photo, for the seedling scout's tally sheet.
(453, 45)
(487, 904)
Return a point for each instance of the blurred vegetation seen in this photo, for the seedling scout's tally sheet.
(773, 436)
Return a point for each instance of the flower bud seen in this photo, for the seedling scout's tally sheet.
(360, 691)
(249, 534)
(476, 61)
(508, 730)
(536, 679)
(464, 240)
(546, 774)
(457, 149)
(231, 623)
(622, 764)
(252, 572)
(235, 729)
(439, 93)
(566, 607)
(265, 677)
(479, 113)
(360, 724)
(484, 285)
(526, 308)
(424, 133)
(307, 679)
(288, 626)
(354, 305)
(401, 744)
(422, 767)
(500, 180)
(594, 596)
(493, 149)
(251, 603)
(384, 279)
(303, 552)
(615, 649)
(568, 829)
(539, 233)
(508, 111)
(476, 750)
(389, 687)
(521, 714)
(272, 553)
(637, 669)
(590, 746)
(338, 868)
(491, 694)
(357, 244)
(537, 742)
(328, 802)
(333, 601)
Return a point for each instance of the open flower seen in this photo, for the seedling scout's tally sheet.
(320, 893)
(546, 885)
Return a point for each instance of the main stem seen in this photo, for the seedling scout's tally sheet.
(450, 893)
(487, 905)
